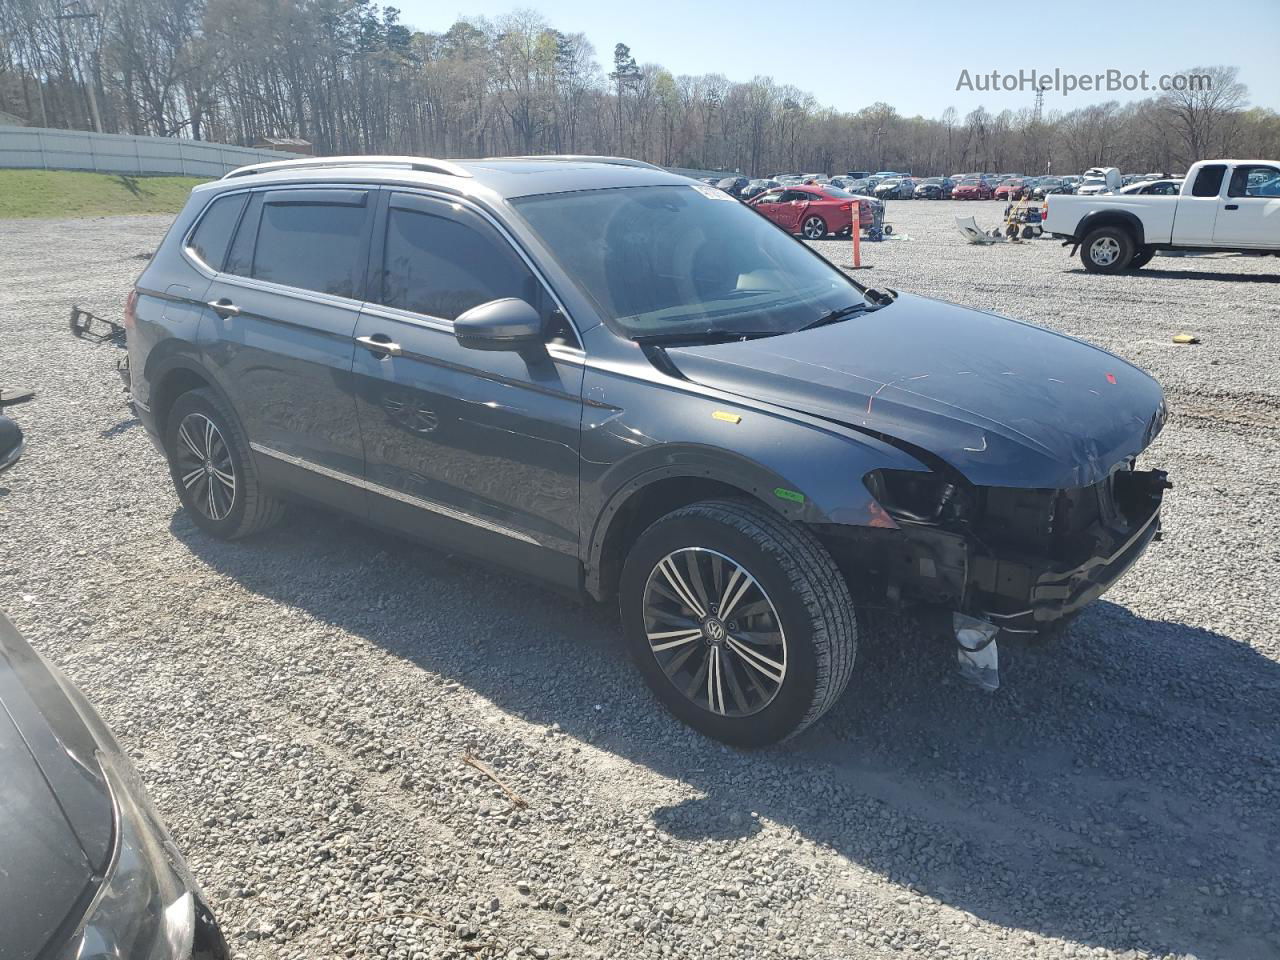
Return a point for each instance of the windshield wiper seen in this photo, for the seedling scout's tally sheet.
(835, 316)
(702, 336)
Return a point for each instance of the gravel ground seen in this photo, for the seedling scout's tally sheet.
(300, 704)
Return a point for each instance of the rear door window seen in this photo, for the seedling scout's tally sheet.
(212, 235)
(314, 239)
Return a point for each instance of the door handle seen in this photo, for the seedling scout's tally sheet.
(224, 308)
(383, 346)
(1232, 206)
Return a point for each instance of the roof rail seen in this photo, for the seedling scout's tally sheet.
(586, 158)
(424, 164)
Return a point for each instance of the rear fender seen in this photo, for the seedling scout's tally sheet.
(1111, 218)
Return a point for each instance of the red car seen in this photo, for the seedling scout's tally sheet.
(812, 211)
(1012, 189)
(972, 189)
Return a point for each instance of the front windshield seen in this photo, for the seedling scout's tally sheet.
(679, 261)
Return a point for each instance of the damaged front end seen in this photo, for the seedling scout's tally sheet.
(1017, 559)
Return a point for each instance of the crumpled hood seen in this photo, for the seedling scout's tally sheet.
(1005, 403)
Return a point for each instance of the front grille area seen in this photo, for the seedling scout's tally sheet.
(1057, 524)
(1027, 538)
(1068, 525)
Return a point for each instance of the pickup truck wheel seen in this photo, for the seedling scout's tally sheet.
(212, 469)
(739, 621)
(1141, 258)
(1107, 250)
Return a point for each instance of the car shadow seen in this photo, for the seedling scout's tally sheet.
(1161, 273)
(119, 427)
(1120, 790)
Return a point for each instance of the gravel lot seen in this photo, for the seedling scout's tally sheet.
(300, 704)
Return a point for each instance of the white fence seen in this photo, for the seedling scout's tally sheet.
(42, 148)
(46, 149)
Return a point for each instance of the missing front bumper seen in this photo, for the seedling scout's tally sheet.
(1034, 556)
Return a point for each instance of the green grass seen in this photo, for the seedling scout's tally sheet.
(61, 193)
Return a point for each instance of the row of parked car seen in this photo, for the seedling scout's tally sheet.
(889, 185)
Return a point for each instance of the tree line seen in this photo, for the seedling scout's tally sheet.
(350, 77)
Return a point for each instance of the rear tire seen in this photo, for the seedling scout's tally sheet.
(213, 471)
(795, 620)
(1141, 258)
(814, 228)
(1107, 250)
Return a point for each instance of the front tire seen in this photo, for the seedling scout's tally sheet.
(1107, 250)
(814, 228)
(739, 621)
(212, 469)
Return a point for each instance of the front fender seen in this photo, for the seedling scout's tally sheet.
(636, 433)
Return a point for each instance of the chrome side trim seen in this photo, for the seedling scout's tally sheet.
(379, 489)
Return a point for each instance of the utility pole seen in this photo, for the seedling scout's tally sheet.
(74, 11)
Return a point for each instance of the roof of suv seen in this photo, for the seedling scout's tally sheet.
(508, 177)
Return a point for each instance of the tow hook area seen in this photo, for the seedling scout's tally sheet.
(976, 651)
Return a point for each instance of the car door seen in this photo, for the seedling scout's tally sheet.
(833, 211)
(1250, 212)
(1197, 211)
(477, 449)
(791, 210)
(277, 336)
(769, 205)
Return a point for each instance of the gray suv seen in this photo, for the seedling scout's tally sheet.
(625, 383)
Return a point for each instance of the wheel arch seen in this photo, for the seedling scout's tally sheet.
(828, 491)
(641, 502)
(1124, 219)
(171, 378)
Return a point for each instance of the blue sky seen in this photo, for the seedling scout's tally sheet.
(915, 57)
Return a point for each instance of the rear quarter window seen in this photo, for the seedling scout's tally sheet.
(212, 235)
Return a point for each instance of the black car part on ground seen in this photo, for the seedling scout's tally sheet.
(96, 329)
(11, 438)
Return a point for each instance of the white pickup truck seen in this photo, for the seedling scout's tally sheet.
(1225, 205)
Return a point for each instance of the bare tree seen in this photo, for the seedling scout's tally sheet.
(349, 76)
(1212, 98)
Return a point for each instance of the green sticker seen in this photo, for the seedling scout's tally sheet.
(782, 493)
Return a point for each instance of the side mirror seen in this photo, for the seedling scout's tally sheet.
(506, 324)
(10, 443)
